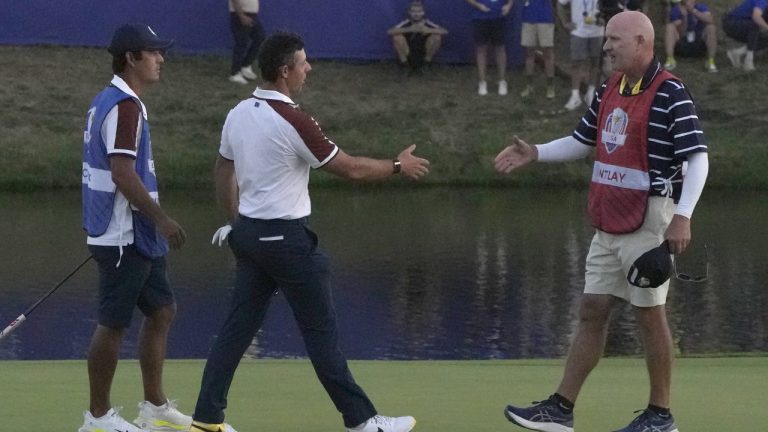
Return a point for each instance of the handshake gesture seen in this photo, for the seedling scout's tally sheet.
(515, 155)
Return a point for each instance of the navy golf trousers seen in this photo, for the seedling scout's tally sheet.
(280, 255)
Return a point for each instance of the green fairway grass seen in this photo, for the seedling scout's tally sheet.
(709, 394)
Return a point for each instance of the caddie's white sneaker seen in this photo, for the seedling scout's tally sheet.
(574, 102)
(248, 73)
(111, 421)
(238, 78)
(205, 427)
(381, 423)
(163, 418)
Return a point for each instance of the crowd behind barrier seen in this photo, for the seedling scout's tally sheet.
(333, 29)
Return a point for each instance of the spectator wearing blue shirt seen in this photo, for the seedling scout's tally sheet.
(489, 25)
(538, 31)
(746, 23)
(690, 32)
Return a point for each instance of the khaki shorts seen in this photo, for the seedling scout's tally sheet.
(537, 35)
(611, 255)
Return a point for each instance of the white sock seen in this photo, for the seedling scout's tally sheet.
(574, 93)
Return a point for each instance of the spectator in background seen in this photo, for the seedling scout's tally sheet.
(538, 31)
(690, 32)
(416, 39)
(489, 23)
(746, 24)
(586, 30)
(248, 34)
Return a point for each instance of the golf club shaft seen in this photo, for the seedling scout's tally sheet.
(17, 322)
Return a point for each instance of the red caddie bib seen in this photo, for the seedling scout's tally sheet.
(618, 193)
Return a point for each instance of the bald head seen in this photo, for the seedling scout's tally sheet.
(629, 42)
(636, 23)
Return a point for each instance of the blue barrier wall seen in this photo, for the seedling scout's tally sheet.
(339, 29)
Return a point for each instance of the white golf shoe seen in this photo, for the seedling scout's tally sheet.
(381, 423)
(163, 418)
(111, 421)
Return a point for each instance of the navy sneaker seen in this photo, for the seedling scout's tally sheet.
(544, 416)
(649, 421)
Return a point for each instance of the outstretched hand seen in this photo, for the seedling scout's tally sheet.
(515, 155)
(412, 166)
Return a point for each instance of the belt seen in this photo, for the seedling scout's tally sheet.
(300, 221)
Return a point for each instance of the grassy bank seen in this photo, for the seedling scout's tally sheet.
(367, 109)
(710, 394)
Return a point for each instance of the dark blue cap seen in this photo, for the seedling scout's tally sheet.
(136, 37)
(652, 268)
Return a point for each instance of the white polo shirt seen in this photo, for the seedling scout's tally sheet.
(273, 143)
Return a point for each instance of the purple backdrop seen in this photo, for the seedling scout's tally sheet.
(339, 29)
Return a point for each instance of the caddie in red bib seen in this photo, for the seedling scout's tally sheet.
(618, 193)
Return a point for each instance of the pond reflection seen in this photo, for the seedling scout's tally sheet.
(439, 273)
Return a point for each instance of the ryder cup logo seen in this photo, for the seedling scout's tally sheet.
(614, 130)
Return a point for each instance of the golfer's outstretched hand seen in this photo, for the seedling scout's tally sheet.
(412, 166)
(515, 155)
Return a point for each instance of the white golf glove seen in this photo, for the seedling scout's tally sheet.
(221, 234)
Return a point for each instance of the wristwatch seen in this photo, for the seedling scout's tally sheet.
(396, 167)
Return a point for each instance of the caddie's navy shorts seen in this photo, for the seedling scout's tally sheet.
(137, 281)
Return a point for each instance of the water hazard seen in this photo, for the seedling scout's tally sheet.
(463, 273)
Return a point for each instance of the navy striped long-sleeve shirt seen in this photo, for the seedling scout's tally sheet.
(674, 132)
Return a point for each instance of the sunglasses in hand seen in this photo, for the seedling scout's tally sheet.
(685, 277)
